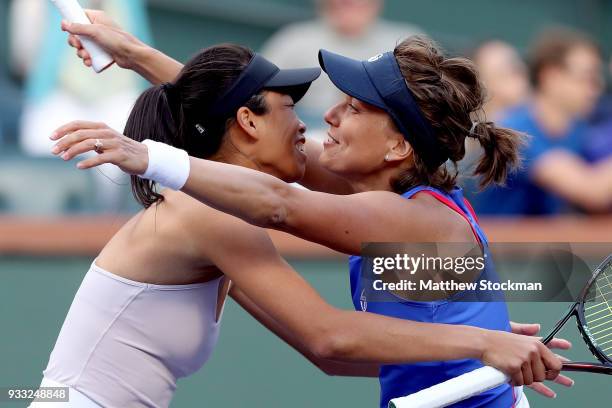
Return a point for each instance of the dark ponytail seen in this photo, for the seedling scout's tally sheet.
(175, 113)
(451, 96)
(150, 119)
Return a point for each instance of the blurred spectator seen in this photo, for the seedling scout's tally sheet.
(25, 39)
(566, 71)
(10, 107)
(10, 96)
(504, 75)
(60, 89)
(350, 27)
(599, 142)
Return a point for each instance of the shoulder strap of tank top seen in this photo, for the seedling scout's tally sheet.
(471, 210)
(449, 202)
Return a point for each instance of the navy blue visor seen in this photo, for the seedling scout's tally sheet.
(262, 74)
(379, 82)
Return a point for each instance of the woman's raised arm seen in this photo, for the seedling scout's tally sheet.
(127, 51)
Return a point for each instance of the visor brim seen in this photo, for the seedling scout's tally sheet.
(350, 76)
(293, 82)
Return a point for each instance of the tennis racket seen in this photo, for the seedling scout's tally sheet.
(72, 11)
(593, 312)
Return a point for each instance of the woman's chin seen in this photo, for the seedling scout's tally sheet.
(329, 164)
(324, 160)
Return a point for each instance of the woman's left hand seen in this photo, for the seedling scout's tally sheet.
(532, 330)
(79, 137)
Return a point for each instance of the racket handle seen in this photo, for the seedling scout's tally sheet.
(453, 390)
(72, 11)
(587, 367)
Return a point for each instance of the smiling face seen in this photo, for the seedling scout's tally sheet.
(359, 137)
(279, 146)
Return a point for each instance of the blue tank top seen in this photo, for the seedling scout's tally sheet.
(404, 379)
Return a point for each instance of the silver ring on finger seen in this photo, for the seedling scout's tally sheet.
(99, 147)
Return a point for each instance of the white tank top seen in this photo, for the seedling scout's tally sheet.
(125, 343)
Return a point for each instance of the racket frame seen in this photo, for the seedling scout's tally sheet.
(577, 310)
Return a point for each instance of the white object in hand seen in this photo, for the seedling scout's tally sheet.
(72, 11)
(454, 390)
(167, 165)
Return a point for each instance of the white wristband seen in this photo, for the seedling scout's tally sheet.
(167, 166)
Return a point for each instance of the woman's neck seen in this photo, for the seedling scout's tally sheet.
(379, 181)
(230, 154)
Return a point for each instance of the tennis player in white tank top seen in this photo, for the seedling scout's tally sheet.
(129, 341)
(148, 309)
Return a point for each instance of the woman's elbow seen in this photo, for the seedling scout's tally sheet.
(597, 201)
(276, 217)
(276, 211)
(334, 345)
(326, 368)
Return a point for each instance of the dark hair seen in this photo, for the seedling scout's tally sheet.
(451, 96)
(175, 113)
(551, 48)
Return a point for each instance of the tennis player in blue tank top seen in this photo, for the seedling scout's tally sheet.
(386, 173)
(400, 380)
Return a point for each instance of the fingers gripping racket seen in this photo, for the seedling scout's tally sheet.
(72, 11)
(593, 312)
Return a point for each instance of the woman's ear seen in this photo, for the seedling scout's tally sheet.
(399, 150)
(247, 121)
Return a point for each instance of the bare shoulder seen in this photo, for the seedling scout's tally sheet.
(438, 222)
(212, 229)
(345, 222)
(229, 243)
(421, 218)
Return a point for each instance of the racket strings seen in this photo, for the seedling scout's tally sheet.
(598, 311)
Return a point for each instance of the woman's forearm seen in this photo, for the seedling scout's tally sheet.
(127, 50)
(329, 367)
(364, 337)
(155, 66)
(354, 343)
(258, 198)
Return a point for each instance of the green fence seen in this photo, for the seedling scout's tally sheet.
(250, 367)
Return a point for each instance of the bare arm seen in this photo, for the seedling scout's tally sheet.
(127, 51)
(341, 222)
(329, 367)
(329, 333)
(349, 336)
(155, 66)
(569, 176)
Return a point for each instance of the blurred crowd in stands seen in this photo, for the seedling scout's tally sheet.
(555, 92)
